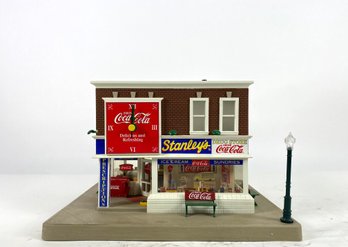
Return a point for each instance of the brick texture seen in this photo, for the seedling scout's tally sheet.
(176, 107)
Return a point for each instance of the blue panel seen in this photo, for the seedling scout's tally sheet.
(226, 162)
(174, 162)
(103, 184)
(189, 162)
(100, 146)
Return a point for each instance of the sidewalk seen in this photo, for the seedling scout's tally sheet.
(81, 220)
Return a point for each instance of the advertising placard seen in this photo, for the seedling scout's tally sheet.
(199, 163)
(132, 127)
(199, 196)
(229, 147)
(126, 167)
(226, 162)
(186, 146)
(103, 195)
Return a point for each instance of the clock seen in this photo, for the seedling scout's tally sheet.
(132, 125)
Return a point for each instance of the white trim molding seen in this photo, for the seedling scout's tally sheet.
(172, 84)
(133, 99)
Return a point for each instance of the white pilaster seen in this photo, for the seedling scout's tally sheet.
(112, 165)
(140, 170)
(245, 177)
(154, 176)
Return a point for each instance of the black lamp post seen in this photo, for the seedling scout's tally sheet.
(290, 141)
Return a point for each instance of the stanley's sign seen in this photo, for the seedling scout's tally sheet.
(186, 146)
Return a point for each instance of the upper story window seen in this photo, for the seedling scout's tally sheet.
(199, 115)
(229, 111)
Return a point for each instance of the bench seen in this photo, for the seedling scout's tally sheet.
(196, 198)
(253, 194)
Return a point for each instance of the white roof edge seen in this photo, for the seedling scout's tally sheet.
(172, 84)
(174, 156)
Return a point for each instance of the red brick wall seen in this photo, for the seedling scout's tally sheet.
(176, 107)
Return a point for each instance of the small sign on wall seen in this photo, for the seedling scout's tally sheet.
(230, 147)
(199, 196)
(132, 126)
(186, 146)
(103, 190)
(126, 167)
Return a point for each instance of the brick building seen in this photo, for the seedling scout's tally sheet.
(179, 136)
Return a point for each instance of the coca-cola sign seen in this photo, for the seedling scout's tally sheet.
(132, 127)
(191, 168)
(126, 167)
(140, 118)
(200, 163)
(230, 147)
(199, 196)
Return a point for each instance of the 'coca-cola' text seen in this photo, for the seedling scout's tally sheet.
(140, 118)
(200, 196)
(228, 148)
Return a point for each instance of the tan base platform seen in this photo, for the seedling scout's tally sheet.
(127, 220)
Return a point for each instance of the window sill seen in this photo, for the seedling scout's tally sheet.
(199, 132)
(229, 133)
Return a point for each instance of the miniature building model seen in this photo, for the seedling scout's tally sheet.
(165, 138)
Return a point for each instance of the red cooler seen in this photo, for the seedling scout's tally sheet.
(119, 186)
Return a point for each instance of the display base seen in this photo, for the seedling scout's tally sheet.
(127, 220)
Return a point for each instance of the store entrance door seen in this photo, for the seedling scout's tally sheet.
(145, 176)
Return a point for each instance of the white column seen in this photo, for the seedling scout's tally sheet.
(140, 171)
(112, 165)
(154, 176)
(245, 177)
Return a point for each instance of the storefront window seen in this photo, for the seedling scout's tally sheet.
(202, 176)
(238, 179)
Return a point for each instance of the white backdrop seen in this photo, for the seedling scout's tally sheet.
(295, 51)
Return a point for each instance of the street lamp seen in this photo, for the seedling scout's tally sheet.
(289, 141)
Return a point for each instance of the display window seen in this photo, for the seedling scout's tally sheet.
(198, 175)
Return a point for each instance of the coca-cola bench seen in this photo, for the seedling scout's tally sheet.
(196, 198)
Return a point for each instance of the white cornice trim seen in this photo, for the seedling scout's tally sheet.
(172, 84)
(176, 156)
(222, 137)
(98, 137)
(132, 99)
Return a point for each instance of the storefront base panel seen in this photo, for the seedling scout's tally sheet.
(227, 203)
(81, 221)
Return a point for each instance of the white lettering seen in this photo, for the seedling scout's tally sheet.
(140, 118)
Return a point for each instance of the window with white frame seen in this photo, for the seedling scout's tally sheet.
(199, 115)
(229, 111)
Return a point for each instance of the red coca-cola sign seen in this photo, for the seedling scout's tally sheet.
(200, 163)
(141, 117)
(132, 127)
(230, 149)
(192, 168)
(199, 196)
(126, 167)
